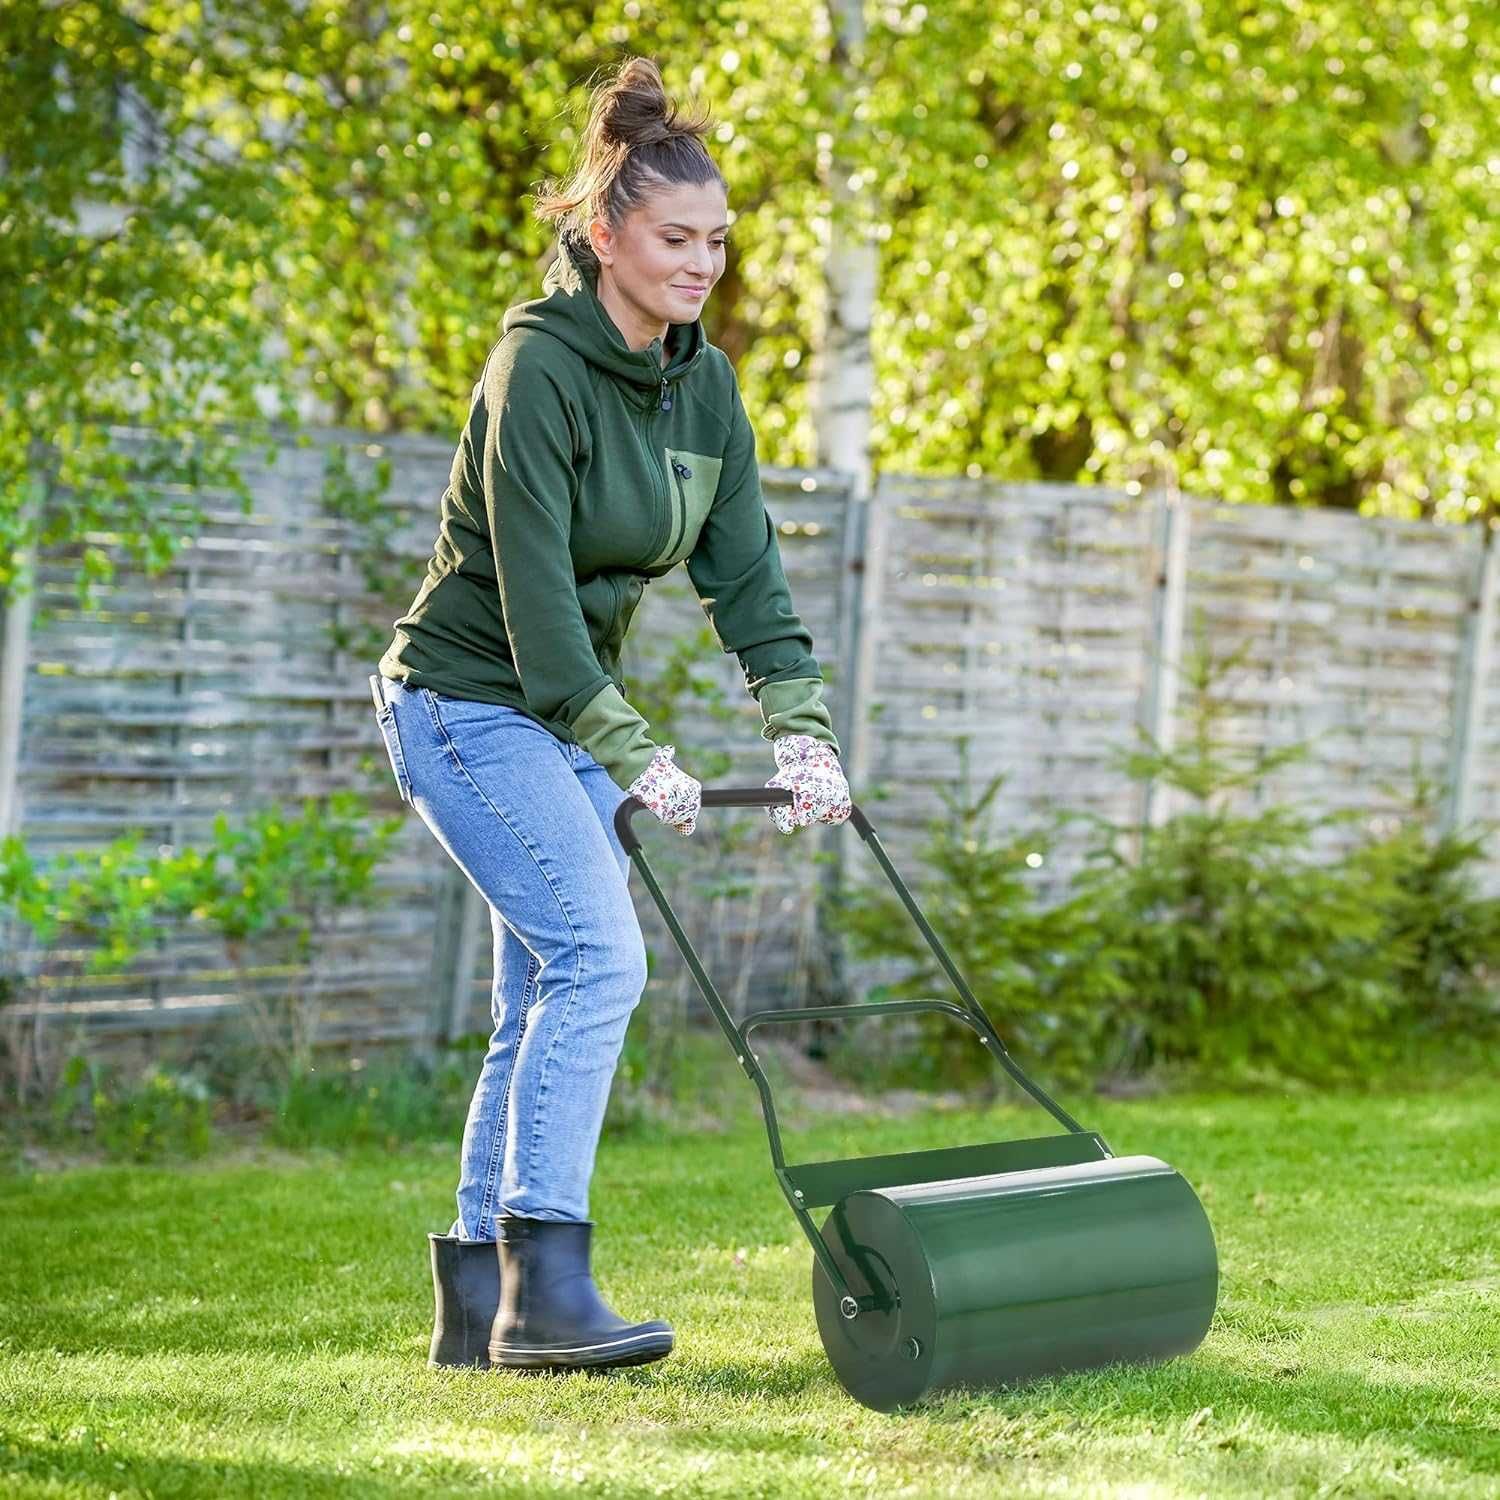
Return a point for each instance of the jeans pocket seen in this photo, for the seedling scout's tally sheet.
(386, 718)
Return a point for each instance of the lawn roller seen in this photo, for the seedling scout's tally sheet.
(984, 1265)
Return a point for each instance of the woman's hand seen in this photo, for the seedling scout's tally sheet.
(671, 794)
(809, 769)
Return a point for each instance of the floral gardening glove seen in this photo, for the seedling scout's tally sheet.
(809, 769)
(671, 794)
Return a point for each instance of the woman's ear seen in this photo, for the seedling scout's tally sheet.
(602, 241)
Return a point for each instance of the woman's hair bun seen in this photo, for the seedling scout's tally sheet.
(633, 107)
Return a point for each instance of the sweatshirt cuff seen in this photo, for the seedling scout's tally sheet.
(795, 706)
(615, 735)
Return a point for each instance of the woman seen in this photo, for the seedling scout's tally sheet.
(606, 442)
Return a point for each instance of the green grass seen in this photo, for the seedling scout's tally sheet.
(257, 1325)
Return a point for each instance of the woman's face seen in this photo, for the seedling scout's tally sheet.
(664, 250)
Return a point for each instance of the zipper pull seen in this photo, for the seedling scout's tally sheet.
(666, 398)
(682, 468)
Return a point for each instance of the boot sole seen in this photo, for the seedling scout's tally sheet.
(638, 1350)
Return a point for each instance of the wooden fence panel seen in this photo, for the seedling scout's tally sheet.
(1018, 620)
(1022, 630)
(1352, 629)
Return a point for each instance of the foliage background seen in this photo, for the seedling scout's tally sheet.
(1244, 247)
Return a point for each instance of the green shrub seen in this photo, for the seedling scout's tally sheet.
(972, 889)
(346, 1102)
(1443, 933)
(162, 1114)
(1237, 957)
(1245, 957)
(1213, 943)
(275, 873)
(267, 886)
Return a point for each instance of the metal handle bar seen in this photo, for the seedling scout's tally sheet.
(971, 1012)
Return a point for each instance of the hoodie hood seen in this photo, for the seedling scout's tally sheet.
(570, 310)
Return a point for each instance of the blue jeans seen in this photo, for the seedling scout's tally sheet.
(529, 819)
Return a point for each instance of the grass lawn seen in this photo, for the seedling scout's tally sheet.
(256, 1324)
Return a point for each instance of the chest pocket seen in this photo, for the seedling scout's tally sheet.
(692, 482)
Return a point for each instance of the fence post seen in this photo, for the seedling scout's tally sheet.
(1469, 689)
(15, 651)
(15, 648)
(864, 569)
(851, 593)
(454, 938)
(859, 591)
(1159, 701)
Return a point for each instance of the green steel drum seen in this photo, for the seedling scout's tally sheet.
(986, 1264)
(991, 1281)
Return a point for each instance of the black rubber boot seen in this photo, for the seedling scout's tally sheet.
(466, 1293)
(551, 1314)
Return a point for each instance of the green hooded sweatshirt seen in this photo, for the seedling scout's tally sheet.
(584, 471)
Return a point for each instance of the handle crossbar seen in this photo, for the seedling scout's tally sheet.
(864, 1008)
(719, 796)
